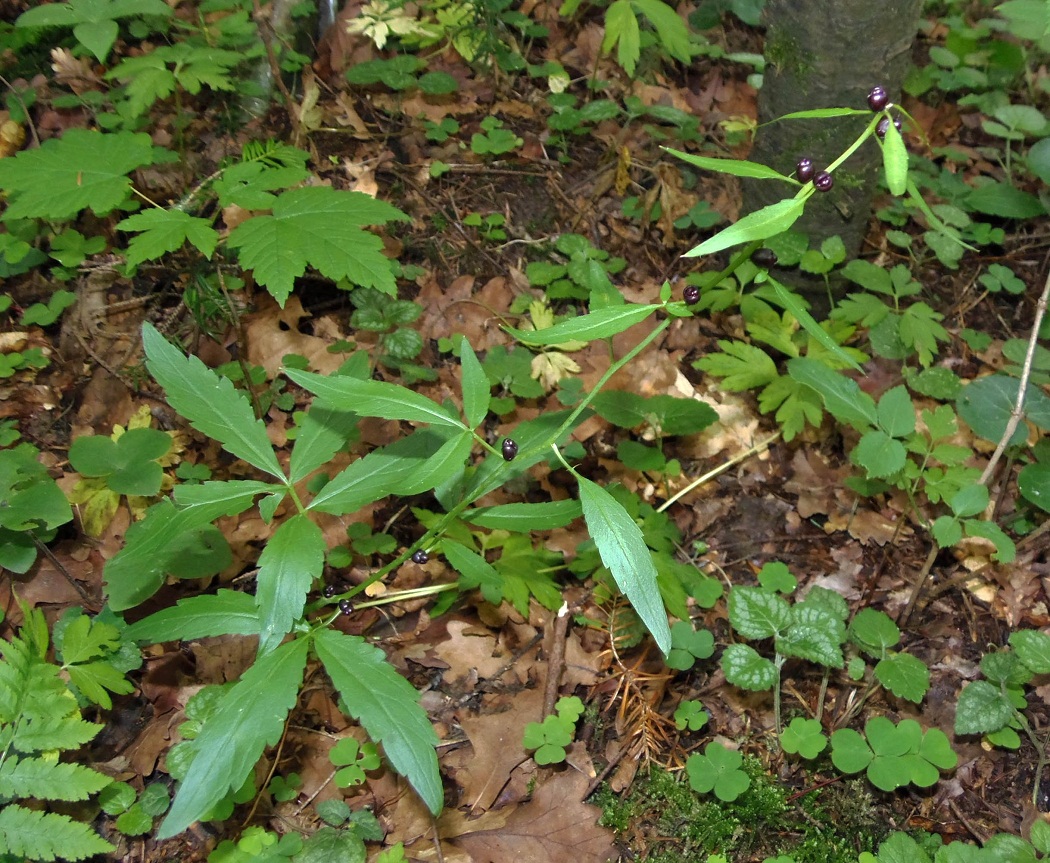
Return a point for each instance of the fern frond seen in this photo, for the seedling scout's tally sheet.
(51, 733)
(48, 780)
(25, 833)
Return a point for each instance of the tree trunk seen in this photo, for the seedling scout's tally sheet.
(822, 54)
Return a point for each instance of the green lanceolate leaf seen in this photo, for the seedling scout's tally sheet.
(794, 305)
(822, 114)
(249, 718)
(375, 399)
(393, 469)
(475, 571)
(323, 432)
(600, 324)
(292, 559)
(216, 499)
(209, 402)
(733, 167)
(525, 517)
(623, 550)
(387, 706)
(228, 612)
(843, 398)
(759, 225)
(476, 389)
(137, 571)
(895, 160)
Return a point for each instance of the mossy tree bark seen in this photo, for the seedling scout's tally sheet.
(828, 55)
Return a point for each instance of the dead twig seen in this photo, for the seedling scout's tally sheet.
(555, 660)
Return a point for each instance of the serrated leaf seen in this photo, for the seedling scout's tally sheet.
(214, 499)
(475, 571)
(896, 412)
(228, 612)
(163, 231)
(744, 667)
(1033, 649)
(874, 631)
(621, 28)
(600, 324)
(249, 718)
(905, 676)
(375, 398)
(48, 780)
(475, 385)
(733, 167)
(288, 565)
(387, 706)
(66, 175)
(740, 365)
(323, 432)
(843, 398)
(879, 454)
(209, 402)
(623, 550)
(759, 225)
(982, 708)
(755, 613)
(794, 305)
(393, 469)
(320, 227)
(812, 642)
(28, 833)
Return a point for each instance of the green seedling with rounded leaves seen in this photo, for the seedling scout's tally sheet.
(804, 737)
(718, 770)
(995, 706)
(875, 633)
(893, 756)
(127, 462)
(32, 507)
(688, 645)
(690, 714)
(353, 759)
(551, 737)
(813, 629)
(134, 813)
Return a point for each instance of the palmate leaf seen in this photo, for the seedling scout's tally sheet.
(209, 402)
(621, 29)
(79, 170)
(623, 550)
(387, 706)
(292, 559)
(320, 227)
(250, 717)
(843, 398)
(228, 612)
(27, 833)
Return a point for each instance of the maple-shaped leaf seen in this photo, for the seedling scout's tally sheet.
(79, 170)
(149, 79)
(319, 227)
(164, 231)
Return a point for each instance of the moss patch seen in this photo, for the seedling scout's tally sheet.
(664, 821)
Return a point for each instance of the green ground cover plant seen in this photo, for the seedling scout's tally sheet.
(901, 440)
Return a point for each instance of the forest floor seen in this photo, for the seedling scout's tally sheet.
(482, 669)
